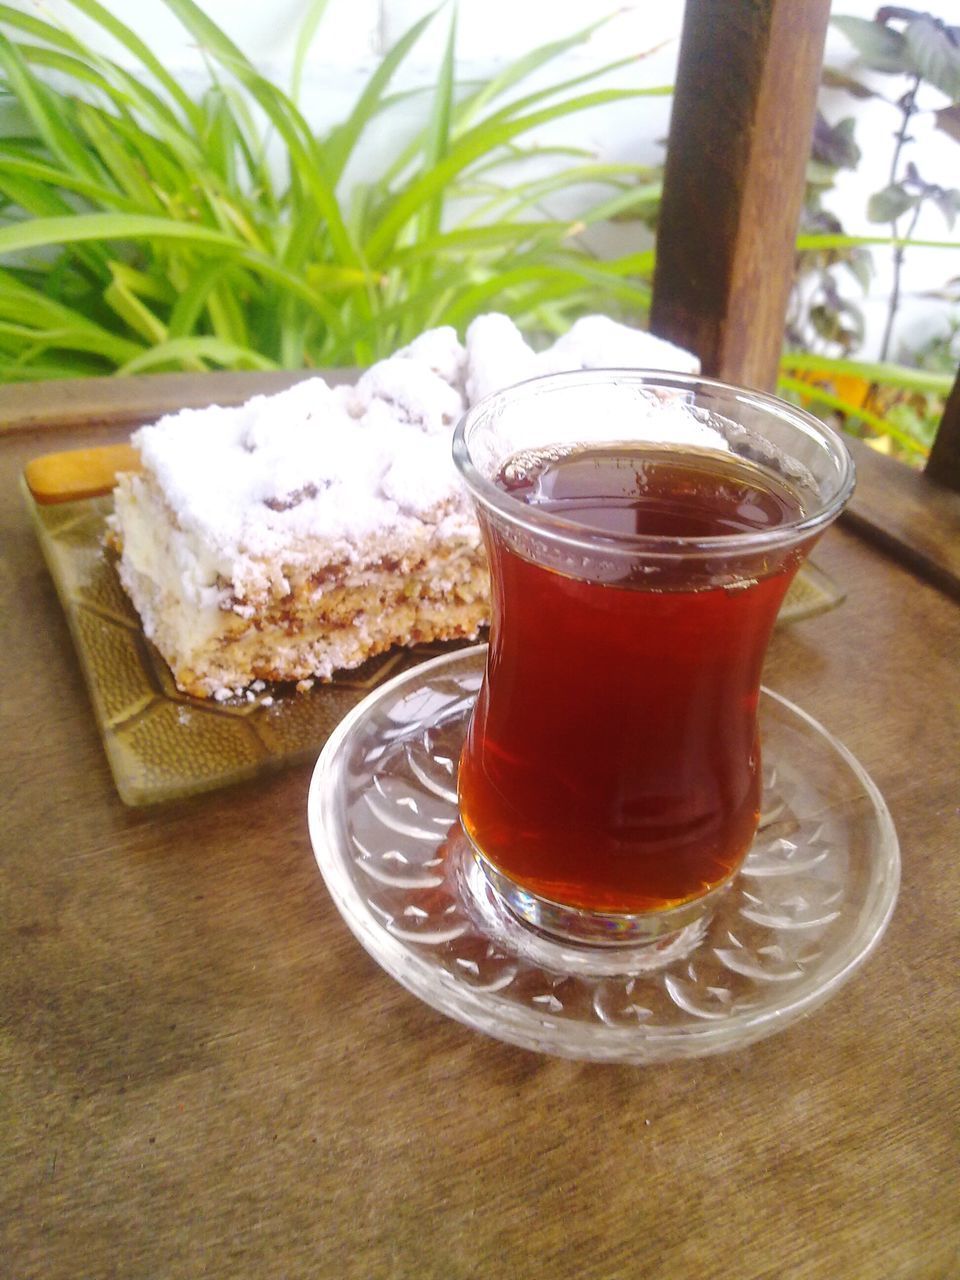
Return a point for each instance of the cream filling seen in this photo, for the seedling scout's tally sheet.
(164, 571)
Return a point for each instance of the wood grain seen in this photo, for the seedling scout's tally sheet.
(740, 133)
(203, 1074)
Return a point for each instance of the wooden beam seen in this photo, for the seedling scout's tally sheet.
(142, 398)
(740, 138)
(911, 517)
(943, 465)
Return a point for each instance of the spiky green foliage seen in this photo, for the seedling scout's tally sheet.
(144, 230)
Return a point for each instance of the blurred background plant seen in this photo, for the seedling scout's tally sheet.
(144, 228)
(895, 406)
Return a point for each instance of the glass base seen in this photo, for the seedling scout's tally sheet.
(556, 938)
(808, 906)
(666, 934)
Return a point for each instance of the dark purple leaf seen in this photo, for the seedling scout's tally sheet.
(948, 121)
(830, 78)
(829, 323)
(822, 222)
(831, 295)
(834, 144)
(894, 13)
(948, 202)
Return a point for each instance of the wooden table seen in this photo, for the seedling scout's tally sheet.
(202, 1074)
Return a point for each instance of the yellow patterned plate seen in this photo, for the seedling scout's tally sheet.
(163, 744)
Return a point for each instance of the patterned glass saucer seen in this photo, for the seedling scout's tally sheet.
(809, 905)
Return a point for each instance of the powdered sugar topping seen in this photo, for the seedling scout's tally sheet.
(348, 465)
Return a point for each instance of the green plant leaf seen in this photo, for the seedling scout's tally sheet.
(181, 351)
(814, 242)
(190, 303)
(143, 284)
(477, 142)
(438, 132)
(206, 247)
(820, 175)
(473, 240)
(170, 168)
(521, 69)
(470, 301)
(104, 226)
(880, 47)
(117, 160)
(95, 192)
(141, 51)
(632, 264)
(61, 364)
(231, 217)
(226, 315)
(29, 307)
(894, 375)
(28, 22)
(518, 105)
(66, 64)
(27, 345)
(882, 426)
(293, 337)
(306, 158)
(48, 112)
(122, 88)
(859, 263)
(343, 139)
(111, 226)
(523, 195)
(32, 196)
(617, 207)
(322, 275)
(890, 203)
(256, 146)
(308, 29)
(133, 311)
(935, 55)
(220, 136)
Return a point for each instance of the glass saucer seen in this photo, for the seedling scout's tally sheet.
(807, 908)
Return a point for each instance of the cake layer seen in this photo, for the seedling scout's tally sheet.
(305, 637)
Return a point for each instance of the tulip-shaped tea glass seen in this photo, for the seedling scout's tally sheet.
(642, 531)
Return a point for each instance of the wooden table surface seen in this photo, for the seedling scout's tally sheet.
(202, 1073)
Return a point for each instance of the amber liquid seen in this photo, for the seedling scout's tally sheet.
(613, 761)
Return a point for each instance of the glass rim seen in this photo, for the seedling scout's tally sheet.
(574, 533)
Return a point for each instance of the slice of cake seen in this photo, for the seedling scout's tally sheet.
(302, 533)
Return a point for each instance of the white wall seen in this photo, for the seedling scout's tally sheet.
(354, 33)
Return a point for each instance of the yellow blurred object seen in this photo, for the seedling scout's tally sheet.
(854, 390)
(79, 473)
(880, 444)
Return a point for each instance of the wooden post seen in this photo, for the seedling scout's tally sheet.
(943, 465)
(740, 138)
